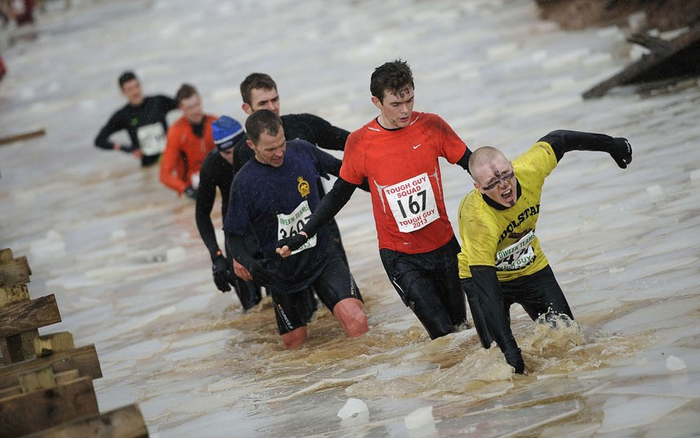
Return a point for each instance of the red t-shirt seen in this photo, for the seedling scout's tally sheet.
(402, 168)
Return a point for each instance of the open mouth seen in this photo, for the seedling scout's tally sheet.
(507, 195)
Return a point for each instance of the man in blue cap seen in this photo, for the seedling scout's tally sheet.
(218, 170)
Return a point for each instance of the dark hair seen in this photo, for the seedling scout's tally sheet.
(253, 81)
(185, 92)
(262, 121)
(126, 77)
(391, 76)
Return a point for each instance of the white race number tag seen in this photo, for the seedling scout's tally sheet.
(516, 256)
(151, 138)
(413, 203)
(290, 224)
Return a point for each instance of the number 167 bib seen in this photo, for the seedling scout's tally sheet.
(413, 203)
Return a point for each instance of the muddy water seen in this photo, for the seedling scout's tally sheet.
(123, 256)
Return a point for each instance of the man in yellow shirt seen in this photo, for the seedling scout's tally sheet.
(501, 261)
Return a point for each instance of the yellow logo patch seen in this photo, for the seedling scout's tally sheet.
(303, 187)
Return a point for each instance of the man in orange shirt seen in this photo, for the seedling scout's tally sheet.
(189, 141)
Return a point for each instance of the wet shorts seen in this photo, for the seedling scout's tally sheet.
(333, 285)
(428, 284)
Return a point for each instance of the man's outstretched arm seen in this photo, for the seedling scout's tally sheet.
(563, 141)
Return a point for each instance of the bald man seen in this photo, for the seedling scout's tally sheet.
(501, 261)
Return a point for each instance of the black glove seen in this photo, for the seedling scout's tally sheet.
(260, 271)
(222, 273)
(622, 152)
(191, 192)
(294, 243)
(127, 148)
(515, 359)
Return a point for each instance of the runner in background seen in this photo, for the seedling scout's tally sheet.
(189, 141)
(143, 118)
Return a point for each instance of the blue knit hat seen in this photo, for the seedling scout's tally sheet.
(227, 133)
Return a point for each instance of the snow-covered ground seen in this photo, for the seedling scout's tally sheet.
(123, 256)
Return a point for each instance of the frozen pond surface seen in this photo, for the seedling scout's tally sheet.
(123, 256)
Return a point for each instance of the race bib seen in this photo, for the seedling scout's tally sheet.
(413, 203)
(518, 255)
(290, 224)
(151, 138)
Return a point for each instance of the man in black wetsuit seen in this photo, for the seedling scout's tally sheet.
(259, 91)
(218, 170)
(144, 119)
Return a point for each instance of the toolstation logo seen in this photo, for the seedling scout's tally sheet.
(528, 212)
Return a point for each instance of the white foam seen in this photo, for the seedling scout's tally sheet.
(674, 363)
(638, 412)
(656, 192)
(353, 407)
(419, 418)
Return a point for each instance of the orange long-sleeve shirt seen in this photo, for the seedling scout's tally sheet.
(184, 153)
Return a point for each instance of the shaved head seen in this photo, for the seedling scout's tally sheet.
(493, 175)
(485, 156)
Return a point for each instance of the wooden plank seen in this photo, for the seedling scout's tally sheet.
(679, 58)
(13, 294)
(5, 255)
(42, 409)
(124, 422)
(28, 315)
(66, 376)
(21, 346)
(41, 378)
(83, 359)
(23, 136)
(15, 271)
(15, 390)
(53, 342)
(4, 353)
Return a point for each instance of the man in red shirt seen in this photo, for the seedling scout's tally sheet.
(189, 141)
(398, 153)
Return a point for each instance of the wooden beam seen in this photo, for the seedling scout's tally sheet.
(53, 342)
(4, 353)
(21, 346)
(15, 390)
(28, 315)
(42, 378)
(13, 294)
(15, 271)
(23, 136)
(58, 379)
(66, 376)
(677, 58)
(42, 409)
(124, 422)
(5, 255)
(83, 359)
